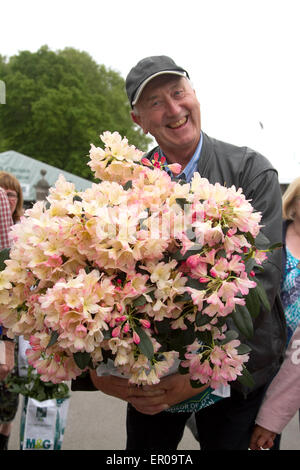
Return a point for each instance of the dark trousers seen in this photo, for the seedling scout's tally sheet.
(226, 425)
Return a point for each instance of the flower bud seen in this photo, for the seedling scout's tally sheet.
(136, 338)
(145, 323)
(116, 332)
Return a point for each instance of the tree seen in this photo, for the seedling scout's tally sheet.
(58, 103)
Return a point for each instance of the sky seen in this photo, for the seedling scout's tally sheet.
(242, 56)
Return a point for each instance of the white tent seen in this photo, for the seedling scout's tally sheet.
(28, 171)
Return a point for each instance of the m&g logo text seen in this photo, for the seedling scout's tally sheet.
(38, 444)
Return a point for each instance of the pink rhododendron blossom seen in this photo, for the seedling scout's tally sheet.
(116, 269)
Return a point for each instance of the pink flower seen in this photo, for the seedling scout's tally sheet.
(227, 290)
(54, 261)
(244, 284)
(220, 269)
(146, 162)
(80, 331)
(145, 323)
(116, 331)
(136, 338)
(236, 264)
(175, 168)
(260, 256)
(197, 297)
(193, 261)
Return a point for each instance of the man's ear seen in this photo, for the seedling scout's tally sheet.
(137, 120)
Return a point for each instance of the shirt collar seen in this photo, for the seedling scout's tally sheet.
(192, 164)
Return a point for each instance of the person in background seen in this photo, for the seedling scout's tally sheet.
(165, 104)
(11, 192)
(281, 398)
(290, 284)
(14, 193)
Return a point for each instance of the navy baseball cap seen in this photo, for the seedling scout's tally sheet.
(146, 70)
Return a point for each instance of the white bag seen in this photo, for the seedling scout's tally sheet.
(43, 423)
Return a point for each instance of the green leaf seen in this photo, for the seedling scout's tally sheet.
(145, 345)
(41, 396)
(261, 241)
(253, 303)
(182, 202)
(141, 300)
(202, 319)
(275, 246)
(194, 284)
(204, 337)
(243, 320)
(246, 379)
(82, 359)
(262, 295)
(179, 339)
(162, 327)
(249, 264)
(53, 339)
(229, 336)
(186, 297)
(127, 185)
(4, 254)
(243, 349)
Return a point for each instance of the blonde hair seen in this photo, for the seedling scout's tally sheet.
(9, 181)
(288, 199)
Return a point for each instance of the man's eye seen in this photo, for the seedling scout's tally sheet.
(155, 104)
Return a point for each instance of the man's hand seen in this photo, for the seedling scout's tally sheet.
(173, 389)
(262, 438)
(6, 368)
(149, 399)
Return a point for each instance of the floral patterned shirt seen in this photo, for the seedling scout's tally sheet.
(290, 292)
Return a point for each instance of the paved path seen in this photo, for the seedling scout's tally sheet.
(97, 422)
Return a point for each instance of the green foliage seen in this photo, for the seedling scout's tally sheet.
(82, 359)
(243, 321)
(4, 255)
(246, 379)
(32, 386)
(58, 103)
(145, 345)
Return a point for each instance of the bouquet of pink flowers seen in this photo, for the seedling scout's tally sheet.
(139, 269)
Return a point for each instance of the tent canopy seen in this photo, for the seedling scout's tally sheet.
(30, 171)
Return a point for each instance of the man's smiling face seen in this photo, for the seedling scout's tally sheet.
(169, 110)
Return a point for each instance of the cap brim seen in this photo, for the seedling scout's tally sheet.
(145, 82)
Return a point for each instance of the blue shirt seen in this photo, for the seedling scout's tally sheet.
(191, 167)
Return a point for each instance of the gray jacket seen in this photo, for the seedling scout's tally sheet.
(244, 168)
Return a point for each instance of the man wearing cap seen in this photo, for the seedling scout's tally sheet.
(165, 105)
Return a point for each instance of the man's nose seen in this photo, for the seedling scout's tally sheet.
(172, 107)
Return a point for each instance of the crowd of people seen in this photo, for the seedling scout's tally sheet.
(164, 104)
